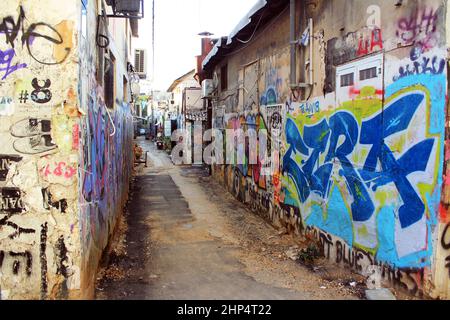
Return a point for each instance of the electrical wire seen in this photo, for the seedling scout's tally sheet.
(259, 35)
(112, 122)
(153, 41)
(254, 31)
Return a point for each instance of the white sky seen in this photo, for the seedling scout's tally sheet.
(177, 23)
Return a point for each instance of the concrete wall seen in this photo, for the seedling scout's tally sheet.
(64, 175)
(361, 168)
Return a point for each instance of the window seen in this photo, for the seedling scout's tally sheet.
(125, 90)
(224, 78)
(110, 81)
(139, 61)
(368, 73)
(347, 80)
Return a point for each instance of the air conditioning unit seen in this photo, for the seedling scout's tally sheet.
(207, 88)
(128, 6)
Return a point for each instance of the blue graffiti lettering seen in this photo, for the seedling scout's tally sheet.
(341, 135)
(419, 66)
(344, 124)
(396, 118)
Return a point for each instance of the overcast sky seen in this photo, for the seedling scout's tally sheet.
(177, 23)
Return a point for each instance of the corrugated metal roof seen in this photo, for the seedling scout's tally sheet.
(251, 19)
(246, 20)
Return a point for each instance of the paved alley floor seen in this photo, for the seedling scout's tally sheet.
(185, 237)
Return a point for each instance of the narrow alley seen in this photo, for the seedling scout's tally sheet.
(224, 150)
(191, 240)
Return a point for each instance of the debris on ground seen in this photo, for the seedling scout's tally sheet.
(114, 273)
(293, 253)
(271, 255)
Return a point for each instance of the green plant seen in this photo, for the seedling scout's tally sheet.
(310, 254)
(167, 143)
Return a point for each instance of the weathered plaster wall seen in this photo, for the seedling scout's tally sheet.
(64, 174)
(39, 235)
(361, 164)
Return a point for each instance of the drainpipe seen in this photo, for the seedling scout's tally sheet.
(293, 46)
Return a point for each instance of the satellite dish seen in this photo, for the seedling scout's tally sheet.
(206, 34)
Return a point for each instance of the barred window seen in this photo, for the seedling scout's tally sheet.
(347, 80)
(368, 73)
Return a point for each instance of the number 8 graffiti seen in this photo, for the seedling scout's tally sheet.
(41, 94)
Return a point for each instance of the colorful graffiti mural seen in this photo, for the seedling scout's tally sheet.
(351, 173)
(360, 153)
(106, 168)
(253, 154)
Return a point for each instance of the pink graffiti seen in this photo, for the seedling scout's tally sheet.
(353, 92)
(75, 137)
(60, 169)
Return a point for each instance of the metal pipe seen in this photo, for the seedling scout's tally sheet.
(293, 74)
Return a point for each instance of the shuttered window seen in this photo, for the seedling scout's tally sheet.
(347, 80)
(139, 61)
(367, 74)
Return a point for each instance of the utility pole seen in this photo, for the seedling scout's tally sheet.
(153, 39)
(154, 131)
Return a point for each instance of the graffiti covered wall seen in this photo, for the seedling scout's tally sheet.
(361, 160)
(39, 237)
(370, 172)
(64, 159)
(105, 145)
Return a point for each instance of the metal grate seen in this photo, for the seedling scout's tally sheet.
(347, 80)
(368, 73)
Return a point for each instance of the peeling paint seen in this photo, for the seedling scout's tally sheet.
(43, 218)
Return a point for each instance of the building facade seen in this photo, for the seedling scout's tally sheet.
(177, 90)
(353, 97)
(66, 152)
